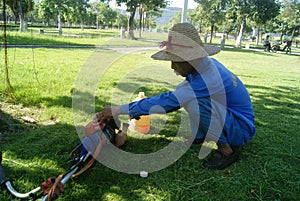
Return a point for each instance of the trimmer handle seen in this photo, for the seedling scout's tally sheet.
(3, 175)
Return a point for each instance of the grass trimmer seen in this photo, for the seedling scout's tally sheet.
(82, 157)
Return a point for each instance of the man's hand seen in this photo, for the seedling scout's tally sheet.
(105, 115)
(91, 128)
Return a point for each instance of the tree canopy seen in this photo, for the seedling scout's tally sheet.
(147, 5)
(216, 13)
(226, 16)
(20, 8)
(289, 19)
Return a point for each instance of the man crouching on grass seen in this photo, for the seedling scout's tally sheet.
(216, 100)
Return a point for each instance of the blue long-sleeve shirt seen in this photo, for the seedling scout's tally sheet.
(212, 80)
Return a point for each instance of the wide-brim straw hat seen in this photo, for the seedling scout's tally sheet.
(184, 44)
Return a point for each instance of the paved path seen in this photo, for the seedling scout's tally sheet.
(262, 50)
(122, 49)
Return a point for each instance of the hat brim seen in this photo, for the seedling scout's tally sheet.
(168, 56)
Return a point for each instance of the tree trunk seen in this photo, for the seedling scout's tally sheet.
(130, 29)
(238, 42)
(211, 33)
(21, 27)
(97, 21)
(131, 23)
(258, 36)
(281, 36)
(144, 25)
(293, 33)
(82, 23)
(21, 16)
(8, 86)
(59, 27)
(140, 22)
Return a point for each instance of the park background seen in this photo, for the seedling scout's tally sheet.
(40, 66)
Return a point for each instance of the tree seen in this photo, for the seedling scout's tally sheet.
(175, 19)
(77, 12)
(33, 16)
(107, 15)
(148, 7)
(290, 17)
(121, 21)
(7, 79)
(262, 12)
(229, 26)
(259, 11)
(210, 13)
(104, 14)
(57, 8)
(20, 8)
(45, 12)
(149, 20)
(132, 6)
(239, 11)
(64, 8)
(90, 18)
(95, 8)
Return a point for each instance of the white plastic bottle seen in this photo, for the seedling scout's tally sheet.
(141, 125)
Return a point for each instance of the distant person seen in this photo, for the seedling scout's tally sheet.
(287, 44)
(267, 43)
(205, 38)
(210, 93)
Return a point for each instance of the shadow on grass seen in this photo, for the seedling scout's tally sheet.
(151, 87)
(277, 114)
(278, 97)
(277, 121)
(29, 139)
(87, 100)
(8, 125)
(32, 153)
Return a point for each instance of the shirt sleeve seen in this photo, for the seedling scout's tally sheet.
(162, 103)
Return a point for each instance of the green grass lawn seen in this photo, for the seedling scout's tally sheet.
(44, 80)
(71, 37)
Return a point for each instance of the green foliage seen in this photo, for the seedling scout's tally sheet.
(210, 13)
(77, 13)
(107, 15)
(121, 21)
(132, 6)
(287, 23)
(233, 16)
(18, 6)
(264, 11)
(175, 19)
